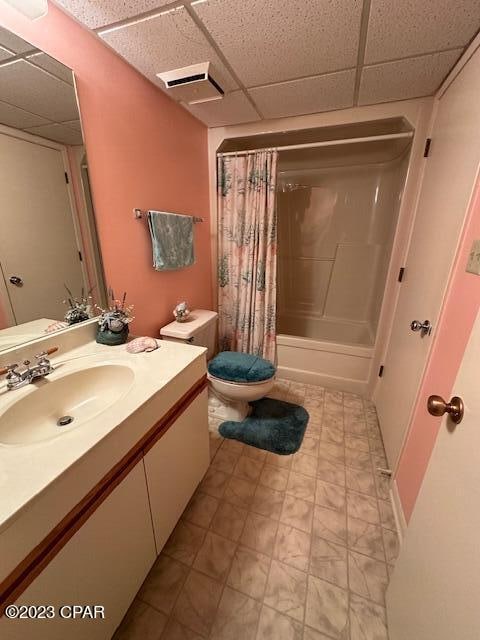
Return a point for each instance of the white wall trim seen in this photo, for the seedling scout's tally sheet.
(400, 520)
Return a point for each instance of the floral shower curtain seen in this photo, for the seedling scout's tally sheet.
(247, 253)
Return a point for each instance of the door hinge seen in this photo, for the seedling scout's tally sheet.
(80, 257)
(380, 371)
(401, 273)
(66, 178)
(426, 151)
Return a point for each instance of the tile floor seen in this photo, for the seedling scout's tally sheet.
(280, 547)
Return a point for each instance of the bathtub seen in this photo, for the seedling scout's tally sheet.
(337, 354)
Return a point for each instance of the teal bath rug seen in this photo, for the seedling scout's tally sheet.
(273, 425)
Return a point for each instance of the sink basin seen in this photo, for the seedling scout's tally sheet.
(73, 399)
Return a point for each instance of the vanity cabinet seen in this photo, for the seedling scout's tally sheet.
(174, 466)
(104, 563)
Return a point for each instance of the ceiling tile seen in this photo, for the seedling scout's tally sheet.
(402, 79)
(10, 41)
(309, 95)
(26, 86)
(98, 13)
(58, 133)
(169, 41)
(273, 41)
(398, 29)
(18, 118)
(53, 66)
(233, 108)
(4, 54)
(73, 124)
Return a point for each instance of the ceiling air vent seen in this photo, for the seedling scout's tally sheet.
(192, 84)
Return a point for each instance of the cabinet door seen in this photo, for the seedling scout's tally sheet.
(175, 465)
(104, 564)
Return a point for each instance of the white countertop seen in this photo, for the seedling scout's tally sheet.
(26, 470)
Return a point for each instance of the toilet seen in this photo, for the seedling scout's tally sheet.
(235, 378)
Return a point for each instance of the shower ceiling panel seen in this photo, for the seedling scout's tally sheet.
(281, 58)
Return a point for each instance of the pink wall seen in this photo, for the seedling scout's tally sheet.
(454, 328)
(144, 151)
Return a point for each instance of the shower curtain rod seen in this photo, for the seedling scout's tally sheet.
(325, 143)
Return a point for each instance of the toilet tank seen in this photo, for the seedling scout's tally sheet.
(200, 329)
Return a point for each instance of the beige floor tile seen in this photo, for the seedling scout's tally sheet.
(286, 590)
(229, 520)
(248, 469)
(249, 572)
(214, 482)
(267, 502)
(332, 451)
(390, 540)
(176, 631)
(310, 446)
(312, 634)
(358, 459)
(197, 603)
(225, 460)
(331, 472)
(233, 445)
(386, 514)
(329, 561)
(215, 556)
(327, 608)
(330, 524)
(240, 492)
(304, 464)
(367, 577)
(361, 481)
(363, 507)
(292, 547)
(201, 509)
(237, 617)
(367, 620)
(332, 432)
(185, 541)
(365, 538)
(297, 513)
(163, 584)
(382, 484)
(276, 626)
(280, 462)
(301, 486)
(330, 495)
(259, 533)
(141, 622)
(274, 478)
(256, 454)
(357, 443)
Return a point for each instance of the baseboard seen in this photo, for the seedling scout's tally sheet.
(323, 380)
(398, 511)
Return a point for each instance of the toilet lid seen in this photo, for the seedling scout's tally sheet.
(240, 367)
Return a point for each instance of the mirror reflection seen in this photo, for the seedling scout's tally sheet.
(51, 273)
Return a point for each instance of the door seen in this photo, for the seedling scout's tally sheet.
(447, 186)
(37, 240)
(433, 594)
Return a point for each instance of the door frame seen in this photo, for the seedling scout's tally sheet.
(43, 142)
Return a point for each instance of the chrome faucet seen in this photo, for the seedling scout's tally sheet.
(16, 379)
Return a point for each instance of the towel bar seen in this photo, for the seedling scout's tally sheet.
(140, 213)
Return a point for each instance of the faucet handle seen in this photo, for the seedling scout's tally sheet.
(8, 369)
(47, 352)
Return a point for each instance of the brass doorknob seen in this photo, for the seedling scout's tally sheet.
(437, 406)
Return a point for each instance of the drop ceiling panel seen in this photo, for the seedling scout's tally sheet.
(310, 95)
(401, 28)
(26, 86)
(4, 54)
(404, 79)
(97, 13)
(269, 42)
(58, 133)
(233, 108)
(166, 42)
(18, 118)
(10, 41)
(53, 66)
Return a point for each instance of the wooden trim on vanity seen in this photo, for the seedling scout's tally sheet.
(34, 563)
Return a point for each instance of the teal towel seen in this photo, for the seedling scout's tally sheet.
(172, 240)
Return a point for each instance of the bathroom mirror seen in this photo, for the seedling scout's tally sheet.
(49, 252)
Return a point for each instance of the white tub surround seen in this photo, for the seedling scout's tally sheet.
(111, 488)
